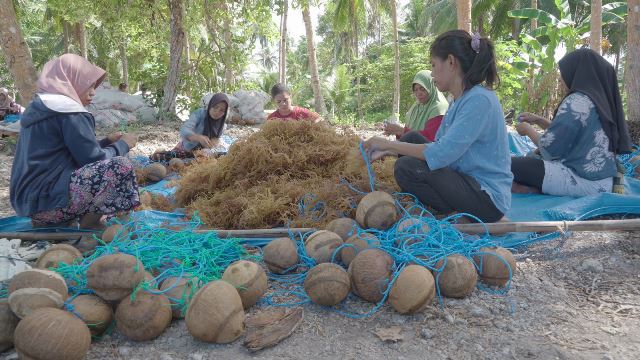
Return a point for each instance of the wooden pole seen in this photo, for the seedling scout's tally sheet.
(493, 228)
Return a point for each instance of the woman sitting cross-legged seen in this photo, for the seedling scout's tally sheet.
(577, 150)
(61, 171)
(467, 168)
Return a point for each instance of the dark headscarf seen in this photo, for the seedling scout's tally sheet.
(586, 71)
(213, 127)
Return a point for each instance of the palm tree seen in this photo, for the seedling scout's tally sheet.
(313, 66)
(463, 10)
(175, 59)
(595, 39)
(632, 73)
(396, 48)
(267, 59)
(283, 43)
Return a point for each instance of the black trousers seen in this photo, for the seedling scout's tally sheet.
(528, 171)
(445, 190)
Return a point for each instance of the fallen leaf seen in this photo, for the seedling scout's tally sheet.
(267, 328)
(390, 334)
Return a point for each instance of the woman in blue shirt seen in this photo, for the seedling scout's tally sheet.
(578, 147)
(467, 168)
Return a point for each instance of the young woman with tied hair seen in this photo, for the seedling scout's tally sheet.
(467, 168)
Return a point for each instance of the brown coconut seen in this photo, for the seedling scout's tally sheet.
(94, 311)
(413, 290)
(39, 278)
(177, 290)
(321, 245)
(115, 231)
(144, 318)
(370, 272)
(327, 284)
(411, 226)
(24, 301)
(115, 276)
(458, 278)
(492, 268)
(215, 313)
(344, 227)
(360, 241)
(8, 323)
(155, 172)
(377, 210)
(175, 165)
(60, 253)
(280, 254)
(249, 279)
(52, 334)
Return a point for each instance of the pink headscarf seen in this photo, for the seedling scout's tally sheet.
(70, 75)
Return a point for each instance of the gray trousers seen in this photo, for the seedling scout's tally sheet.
(444, 190)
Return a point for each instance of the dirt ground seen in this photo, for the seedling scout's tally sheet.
(572, 299)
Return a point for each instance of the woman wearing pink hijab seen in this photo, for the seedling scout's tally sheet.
(61, 172)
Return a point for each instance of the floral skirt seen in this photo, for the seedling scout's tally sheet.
(104, 187)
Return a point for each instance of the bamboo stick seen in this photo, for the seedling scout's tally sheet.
(493, 228)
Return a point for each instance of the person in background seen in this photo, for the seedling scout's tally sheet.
(467, 168)
(61, 171)
(425, 115)
(578, 147)
(204, 127)
(8, 106)
(124, 87)
(281, 96)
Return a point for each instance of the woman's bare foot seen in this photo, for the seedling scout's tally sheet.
(523, 189)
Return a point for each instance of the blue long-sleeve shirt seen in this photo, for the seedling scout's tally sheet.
(473, 140)
(53, 144)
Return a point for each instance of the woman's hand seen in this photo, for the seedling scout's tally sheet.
(376, 144)
(204, 141)
(130, 139)
(532, 119)
(524, 129)
(114, 136)
(393, 129)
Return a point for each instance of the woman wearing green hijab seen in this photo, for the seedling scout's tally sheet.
(426, 113)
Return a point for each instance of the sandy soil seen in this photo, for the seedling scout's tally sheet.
(577, 299)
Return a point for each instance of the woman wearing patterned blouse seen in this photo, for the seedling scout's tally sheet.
(577, 150)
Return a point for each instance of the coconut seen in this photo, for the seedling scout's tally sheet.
(280, 254)
(155, 172)
(495, 266)
(146, 199)
(39, 278)
(249, 279)
(24, 301)
(52, 334)
(144, 318)
(413, 290)
(94, 311)
(458, 278)
(377, 210)
(370, 272)
(60, 253)
(344, 227)
(178, 291)
(175, 165)
(321, 245)
(327, 284)
(411, 226)
(215, 313)
(8, 323)
(87, 243)
(115, 276)
(113, 232)
(360, 241)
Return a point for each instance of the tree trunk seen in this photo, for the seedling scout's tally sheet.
(187, 53)
(595, 40)
(81, 38)
(464, 14)
(229, 78)
(66, 36)
(124, 61)
(396, 49)
(534, 22)
(176, 49)
(357, 57)
(313, 63)
(283, 44)
(632, 73)
(16, 53)
(515, 28)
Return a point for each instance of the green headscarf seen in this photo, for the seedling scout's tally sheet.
(419, 114)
